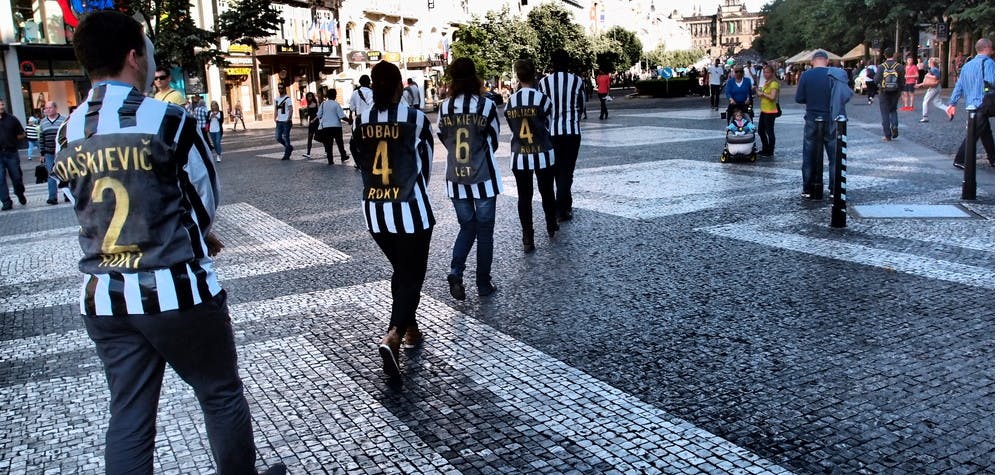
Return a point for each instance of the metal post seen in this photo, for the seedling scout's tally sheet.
(838, 216)
(969, 185)
(816, 179)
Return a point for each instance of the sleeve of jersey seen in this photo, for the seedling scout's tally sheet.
(493, 135)
(202, 186)
(425, 148)
(547, 106)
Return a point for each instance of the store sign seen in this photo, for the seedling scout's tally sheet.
(374, 56)
(239, 61)
(237, 71)
(391, 57)
(286, 49)
(320, 49)
(357, 57)
(240, 49)
(27, 68)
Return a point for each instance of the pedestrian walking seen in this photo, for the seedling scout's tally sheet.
(11, 132)
(150, 295)
(361, 99)
(411, 94)
(715, 74)
(976, 85)
(739, 91)
(31, 134)
(890, 76)
(311, 108)
(871, 86)
(331, 117)
(912, 75)
(565, 89)
(214, 128)
(769, 92)
(51, 121)
(237, 116)
(932, 81)
(283, 121)
(603, 89)
(394, 147)
(469, 128)
(529, 115)
(200, 113)
(814, 90)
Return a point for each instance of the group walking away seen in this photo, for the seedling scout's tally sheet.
(395, 170)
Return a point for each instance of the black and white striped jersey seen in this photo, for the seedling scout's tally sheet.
(470, 130)
(566, 92)
(145, 195)
(529, 115)
(394, 148)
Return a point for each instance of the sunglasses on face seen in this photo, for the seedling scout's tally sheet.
(160, 78)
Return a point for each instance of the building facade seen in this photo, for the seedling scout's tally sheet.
(728, 31)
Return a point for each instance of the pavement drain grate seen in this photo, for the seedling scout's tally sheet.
(913, 211)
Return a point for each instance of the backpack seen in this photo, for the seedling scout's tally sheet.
(890, 78)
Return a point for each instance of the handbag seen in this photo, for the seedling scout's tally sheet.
(41, 174)
(778, 106)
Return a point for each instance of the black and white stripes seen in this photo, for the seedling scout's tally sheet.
(465, 104)
(529, 98)
(566, 92)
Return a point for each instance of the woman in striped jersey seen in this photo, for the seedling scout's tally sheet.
(393, 146)
(529, 114)
(469, 128)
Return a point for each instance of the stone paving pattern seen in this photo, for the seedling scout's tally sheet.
(694, 317)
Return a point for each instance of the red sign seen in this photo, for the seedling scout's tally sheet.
(27, 68)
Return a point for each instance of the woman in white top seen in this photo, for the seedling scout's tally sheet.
(214, 125)
(330, 115)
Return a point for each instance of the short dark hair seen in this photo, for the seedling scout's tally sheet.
(464, 79)
(365, 80)
(560, 60)
(525, 70)
(331, 93)
(387, 84)
(103, 41)
(889, 53)
(162, 69)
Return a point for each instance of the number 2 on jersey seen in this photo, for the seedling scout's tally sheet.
(525, 132)
(110, 244)
(380, 166)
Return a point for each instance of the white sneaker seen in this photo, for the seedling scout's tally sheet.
(218, 159)
(306, 156)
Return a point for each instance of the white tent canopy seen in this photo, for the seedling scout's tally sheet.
(806, 56)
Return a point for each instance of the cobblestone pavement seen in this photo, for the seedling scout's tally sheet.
(694, 317)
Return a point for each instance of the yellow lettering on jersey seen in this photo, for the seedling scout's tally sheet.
(381, 194)
(127, 260)
(463, 171)
(463, 119)
(380, 131)
(520, 113)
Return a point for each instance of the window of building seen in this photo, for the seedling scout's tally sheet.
(368, 35)
(387, 39)
(349, 35)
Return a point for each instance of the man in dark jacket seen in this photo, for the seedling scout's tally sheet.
(814, 90)
(889, 79)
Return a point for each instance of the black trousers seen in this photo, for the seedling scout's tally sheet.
(604, 105)
(715, 89)
(327, 136)
(198, 344)
(766, 130)
(407, 253)
(313, 127)
(525, 191)
(985, 135)
(567, 149)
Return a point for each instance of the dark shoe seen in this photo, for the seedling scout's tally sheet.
(895, 133)
(53, 201)
(567, 216)
(487, 290)
(65, 199)
(389, 351)
(528, 242)
(7, 206)
(552, 228)
(276, 469)
(960, 166)
(413, 337)
(286, 158)
(343, 159)
(21, 199)
(455, 287)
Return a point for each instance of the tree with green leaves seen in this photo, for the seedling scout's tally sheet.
(660, 56)
(617, 49)
(494, 42)
(556, 29)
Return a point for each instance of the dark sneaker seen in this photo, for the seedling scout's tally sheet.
(53, 201)
(528, 243)
(487, 290)
(389, 351)
(276, 469)
(895, 133)
(567, 216)
(22, 199)
(7, 206)
(455, 287)
(954, 164)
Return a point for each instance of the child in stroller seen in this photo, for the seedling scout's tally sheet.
(741, 137)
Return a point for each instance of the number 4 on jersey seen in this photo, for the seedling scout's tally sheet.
(525, 132)
(380, 166)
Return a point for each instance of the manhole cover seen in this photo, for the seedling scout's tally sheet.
(912, 211)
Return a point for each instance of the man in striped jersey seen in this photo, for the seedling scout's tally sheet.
(50, 124)
(145, 196)
(469, 128)
(529, 115)
(565, 89)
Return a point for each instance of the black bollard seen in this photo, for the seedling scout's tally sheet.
(816, 180)
(969, 185)
(838, 216)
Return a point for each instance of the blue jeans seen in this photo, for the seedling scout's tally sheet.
(475, 220)
(32, 146)
(809, 145)
(283, 134)
(10, 164)
(50, 161)
(216, 141)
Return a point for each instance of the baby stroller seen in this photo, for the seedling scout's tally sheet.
(740, 147)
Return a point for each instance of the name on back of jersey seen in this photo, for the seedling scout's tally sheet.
(74, 161)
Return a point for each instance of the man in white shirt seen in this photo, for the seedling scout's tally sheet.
(715, 73)
(283, 121)
(362, 98)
